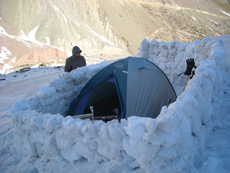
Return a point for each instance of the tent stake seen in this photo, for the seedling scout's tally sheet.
(91, 108)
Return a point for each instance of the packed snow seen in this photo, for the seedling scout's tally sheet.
(191, 135)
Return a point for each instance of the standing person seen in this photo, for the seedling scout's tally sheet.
(75, 61)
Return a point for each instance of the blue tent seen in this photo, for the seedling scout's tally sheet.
(135, 86)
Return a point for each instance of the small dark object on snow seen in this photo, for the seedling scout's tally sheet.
(190, 65)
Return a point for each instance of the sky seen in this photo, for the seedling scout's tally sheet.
(191, 135)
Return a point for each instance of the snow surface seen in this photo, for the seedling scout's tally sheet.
(191, 135)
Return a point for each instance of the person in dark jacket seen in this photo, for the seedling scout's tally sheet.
(75, 61)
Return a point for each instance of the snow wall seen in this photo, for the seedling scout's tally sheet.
(169, 143)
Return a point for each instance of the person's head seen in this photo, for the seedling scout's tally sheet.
(76, 51)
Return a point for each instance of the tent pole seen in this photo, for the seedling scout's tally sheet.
(186, 82)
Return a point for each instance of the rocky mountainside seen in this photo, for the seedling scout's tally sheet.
(38, 30)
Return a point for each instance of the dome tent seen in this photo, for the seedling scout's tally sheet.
(134, 86)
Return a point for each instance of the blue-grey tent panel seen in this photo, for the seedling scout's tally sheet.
(80, 107)
(148, 89)
(120, 71)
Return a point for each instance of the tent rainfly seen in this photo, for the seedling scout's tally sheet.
(128, 87)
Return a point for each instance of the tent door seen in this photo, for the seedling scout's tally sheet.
(105, 101)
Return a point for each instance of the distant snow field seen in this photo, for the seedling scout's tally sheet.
(185, 137)
(225, 13)
(3, 54)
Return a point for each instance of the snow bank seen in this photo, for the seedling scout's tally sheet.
(171, 57)
(165, 144)
(57, 97)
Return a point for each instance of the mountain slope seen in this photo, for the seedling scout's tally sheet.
(107, 28)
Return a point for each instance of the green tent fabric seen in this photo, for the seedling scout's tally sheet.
(135, 86)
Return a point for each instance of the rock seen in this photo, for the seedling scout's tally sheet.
(40, 55)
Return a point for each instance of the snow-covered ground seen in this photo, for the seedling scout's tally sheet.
(191, 135)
